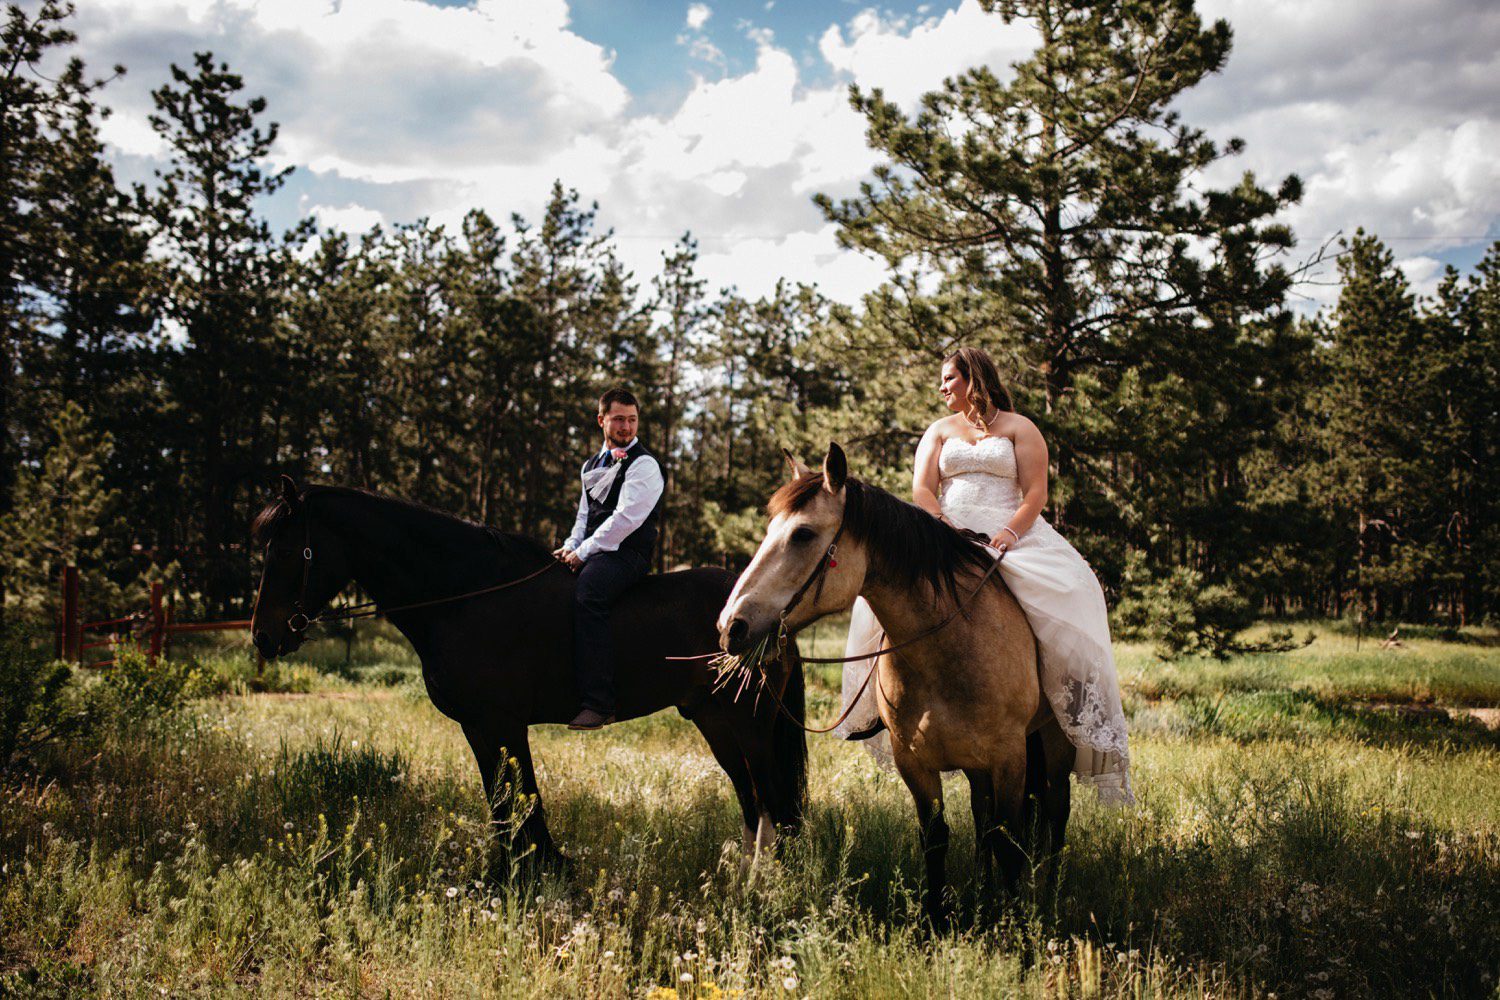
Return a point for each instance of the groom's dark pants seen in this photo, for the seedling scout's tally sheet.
(601, 581)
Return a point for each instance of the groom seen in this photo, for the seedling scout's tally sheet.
(610, 547)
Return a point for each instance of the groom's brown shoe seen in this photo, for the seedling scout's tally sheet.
(591, 719)
(875, 729)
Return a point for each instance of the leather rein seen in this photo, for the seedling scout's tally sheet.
(783, 635)
(300, 621)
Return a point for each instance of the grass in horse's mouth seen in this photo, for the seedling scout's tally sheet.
(743, 667)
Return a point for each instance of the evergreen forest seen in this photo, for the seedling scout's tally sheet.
(1219, 453)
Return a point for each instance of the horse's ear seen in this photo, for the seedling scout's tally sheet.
(835, 468)
(799, 471)
(288, 488)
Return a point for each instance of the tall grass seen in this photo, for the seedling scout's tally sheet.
(338, 843)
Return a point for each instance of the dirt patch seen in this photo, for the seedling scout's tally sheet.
(1489, 716)
(326, 695)
(1414, 711)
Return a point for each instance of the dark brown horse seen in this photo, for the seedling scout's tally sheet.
(500, 662)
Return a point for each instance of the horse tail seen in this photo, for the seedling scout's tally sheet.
(1036, 781)
(789, 742)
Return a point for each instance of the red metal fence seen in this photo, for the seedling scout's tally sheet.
(151, 628)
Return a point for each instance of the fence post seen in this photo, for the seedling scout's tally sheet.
(158, 624)
(72, 635)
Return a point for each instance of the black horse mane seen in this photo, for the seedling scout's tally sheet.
(459, 530)
(904, 540)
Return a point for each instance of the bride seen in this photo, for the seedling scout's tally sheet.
(983, 468)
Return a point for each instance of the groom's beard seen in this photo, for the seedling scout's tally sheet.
(616, 442)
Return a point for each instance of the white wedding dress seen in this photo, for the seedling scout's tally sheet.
(1062, 600)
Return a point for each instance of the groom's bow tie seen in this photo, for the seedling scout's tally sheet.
(599, 479)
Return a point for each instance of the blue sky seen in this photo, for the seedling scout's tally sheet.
(724, 118)
(657, 68)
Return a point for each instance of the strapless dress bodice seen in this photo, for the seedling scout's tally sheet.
(979, 488)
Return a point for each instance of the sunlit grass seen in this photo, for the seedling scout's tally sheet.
(1288, 839)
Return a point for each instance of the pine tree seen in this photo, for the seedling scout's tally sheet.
(61, 518)
(503, 345)
(1059, 219)
(1376, 380)
(37, 108)
(561, 271)
(98, 343)
(1463, 340)
(682, 313)
(224, 274)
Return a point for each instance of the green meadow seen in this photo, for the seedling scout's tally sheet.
(1323, 823)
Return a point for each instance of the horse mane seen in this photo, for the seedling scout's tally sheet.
(904, 541)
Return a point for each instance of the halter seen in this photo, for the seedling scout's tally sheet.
(783, 634)
(299, 620)
(826, 562)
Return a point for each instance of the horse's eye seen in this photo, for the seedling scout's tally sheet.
(803, 535)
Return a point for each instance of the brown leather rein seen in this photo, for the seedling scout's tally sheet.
(826, 562)
(881, 650)
(369, 609)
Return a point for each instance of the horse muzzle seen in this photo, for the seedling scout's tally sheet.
(270, 648)
(734, 636)
(743, 630)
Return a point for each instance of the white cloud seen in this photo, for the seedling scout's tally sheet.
(907, 58)
(702, 49)
(1423, 273)
(737, 164)
(1388, 111)
(381, 88)
(351, 218)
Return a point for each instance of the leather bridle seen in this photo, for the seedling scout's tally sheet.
(826, 562)
(783, 634)
(299, 620)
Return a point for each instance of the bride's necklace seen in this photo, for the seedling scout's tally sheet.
(980, 424)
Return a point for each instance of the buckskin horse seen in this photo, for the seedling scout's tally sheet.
(957, 685)
(489, 613)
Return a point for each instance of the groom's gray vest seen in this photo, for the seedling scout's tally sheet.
(642, 540)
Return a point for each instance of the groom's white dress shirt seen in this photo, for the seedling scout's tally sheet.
(642, 488)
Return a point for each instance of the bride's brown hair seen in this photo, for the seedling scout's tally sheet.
(985, 387)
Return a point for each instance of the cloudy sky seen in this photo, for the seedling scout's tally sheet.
(724, 117)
